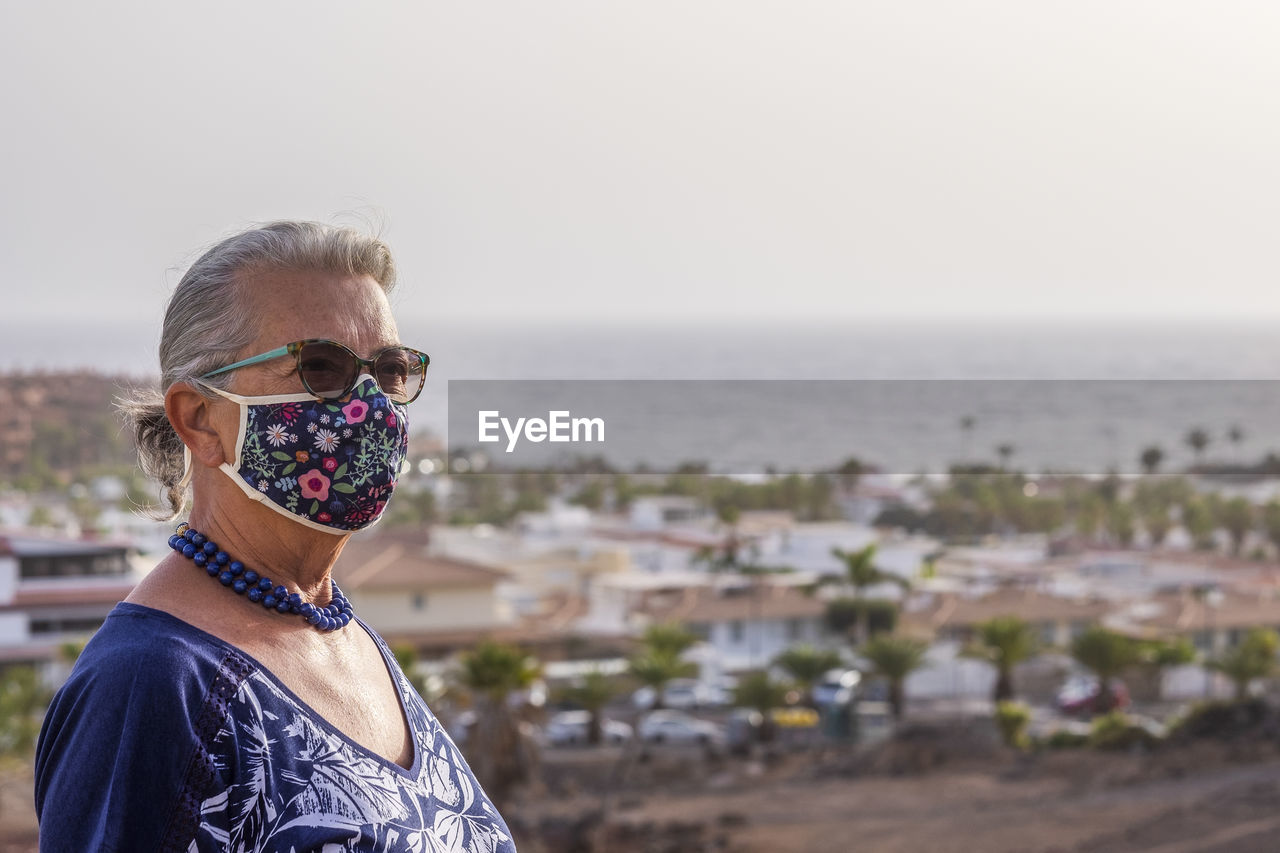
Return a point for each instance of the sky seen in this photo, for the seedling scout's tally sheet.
(704, 162)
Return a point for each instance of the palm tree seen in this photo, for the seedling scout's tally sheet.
(806, 665)
(658, 661)
(668, 638)
(762, 694)
(655, 670)
(1004, 642)
(593, 692)
(1106, 654)
(861, 573)
(1253, 657)
(759, 692)
(1198, 519)
(1235, 435)
(1120, 523)
(1151, 458)
(849, 472)
(499, 754)
(1197, 440)
(728, 515)
(1236, 515)
(1005, 452)
(894, 657)
(1157, 522)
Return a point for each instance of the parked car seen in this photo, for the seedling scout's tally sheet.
(1081, 695)
(743, 729)
(682, 694)
(570, 727)
(837, 687)
(678, 727)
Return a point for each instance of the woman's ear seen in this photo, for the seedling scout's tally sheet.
(192, 416)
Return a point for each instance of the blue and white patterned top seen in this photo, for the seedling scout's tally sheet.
(167, 738)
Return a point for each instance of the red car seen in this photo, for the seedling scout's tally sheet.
(1081, 696)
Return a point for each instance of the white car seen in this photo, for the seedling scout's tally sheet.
(678, 727)
(570, 727)
(682, 694)
(836, 687)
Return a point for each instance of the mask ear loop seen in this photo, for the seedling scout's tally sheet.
(187, 469)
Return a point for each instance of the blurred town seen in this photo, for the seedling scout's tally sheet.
(684, 661)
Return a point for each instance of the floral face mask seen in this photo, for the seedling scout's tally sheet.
(330, 466)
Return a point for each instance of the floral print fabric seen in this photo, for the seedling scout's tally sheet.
(333, 464)
(167, 739)
(296, 784)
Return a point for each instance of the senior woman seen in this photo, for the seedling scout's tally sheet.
(233, 701)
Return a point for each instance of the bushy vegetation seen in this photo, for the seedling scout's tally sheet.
(22, 700)
(1012, 719)
(1065, 739)
(1115, 731)
(1251, 720)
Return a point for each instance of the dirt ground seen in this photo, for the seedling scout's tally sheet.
(1227, 808)
(1203, 798)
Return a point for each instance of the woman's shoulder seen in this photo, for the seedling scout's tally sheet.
(141, 647)
(132, 726)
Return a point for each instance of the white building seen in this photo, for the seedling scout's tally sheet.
(411, 595)
(57, 590)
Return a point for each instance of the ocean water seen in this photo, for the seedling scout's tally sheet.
(1124, 416)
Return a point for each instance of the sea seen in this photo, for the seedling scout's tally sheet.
(907, 396)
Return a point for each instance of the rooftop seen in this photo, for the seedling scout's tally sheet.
(404, 562)
(1027, 604)
(32, 545)
(707, 604)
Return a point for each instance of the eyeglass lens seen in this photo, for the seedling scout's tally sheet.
(330, 371)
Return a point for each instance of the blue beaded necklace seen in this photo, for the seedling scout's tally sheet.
(231, 573)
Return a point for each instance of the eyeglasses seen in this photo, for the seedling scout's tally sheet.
(330, 371)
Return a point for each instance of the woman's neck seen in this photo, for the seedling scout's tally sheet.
(272, 545)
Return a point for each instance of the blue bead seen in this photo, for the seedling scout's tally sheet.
(174, 540)
(198, 539)
(239, 586)
(189, 535)
(326, 624)
(268, 601)
(264, 584)
(314, 617)
(306, 608)
(235, 567)
(210, 548)
(344, 619)
(200, 558)
(221, 558)
(255, 595)
(250, 576)
(225, 578)
(188, 550)
(295, 599)
(212, 570)
(282, 607)
(282, 591)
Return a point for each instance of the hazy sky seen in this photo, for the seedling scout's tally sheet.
(684, 160)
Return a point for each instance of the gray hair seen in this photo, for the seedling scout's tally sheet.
(207, 324)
